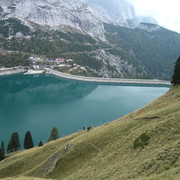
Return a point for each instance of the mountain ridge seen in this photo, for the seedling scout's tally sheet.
(127, 49)
(84, 15)
(54, 14)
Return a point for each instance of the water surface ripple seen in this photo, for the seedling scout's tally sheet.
(31, 103)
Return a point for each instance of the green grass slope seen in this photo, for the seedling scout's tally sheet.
(107, 152)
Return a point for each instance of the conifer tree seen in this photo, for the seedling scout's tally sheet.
(54, 134)
(9, 148)
(28, 141)
(14, 143)
(40, 143)
(2, 147)
(1, 154)
(176, 75)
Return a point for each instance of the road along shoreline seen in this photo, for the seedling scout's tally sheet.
(109, 80)
(93, 79)
(11, 71)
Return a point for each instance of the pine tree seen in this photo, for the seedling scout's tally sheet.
(14, 143)
(28, 141)
(176, 75)
(54, 134)
(40, 143)
(2, 147)
(1, 154)
(9, 148)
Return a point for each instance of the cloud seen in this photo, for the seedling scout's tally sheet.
(165, 12)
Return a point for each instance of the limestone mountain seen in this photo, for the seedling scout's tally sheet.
(118, 12)
(106, 37)
(75, 15)
(69, 15)
(114, 11)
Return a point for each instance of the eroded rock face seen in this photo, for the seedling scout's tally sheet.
(119, 12)
(85, 16)
(1, 9)
(56, 14)
(114, 11)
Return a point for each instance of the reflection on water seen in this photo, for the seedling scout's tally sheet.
(43, 89)
(38, 103)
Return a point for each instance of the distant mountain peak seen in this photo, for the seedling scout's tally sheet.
(149, 27)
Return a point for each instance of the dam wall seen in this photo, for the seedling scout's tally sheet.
(109, 80)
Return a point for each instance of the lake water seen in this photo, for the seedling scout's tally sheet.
(36, 104)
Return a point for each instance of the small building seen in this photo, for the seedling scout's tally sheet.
(50, 60)
(69, 66)
(77, 67)
(69, 60)
(83, 68)
(35, 59)
(62, 65)
(36, 66)
(59, 59)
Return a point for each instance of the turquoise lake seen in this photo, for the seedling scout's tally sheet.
(36, 104)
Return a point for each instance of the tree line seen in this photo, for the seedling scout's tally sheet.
(176, 76)
(14, 142)
(14, 59)
(152, 51)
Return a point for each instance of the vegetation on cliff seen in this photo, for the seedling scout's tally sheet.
(142, 53)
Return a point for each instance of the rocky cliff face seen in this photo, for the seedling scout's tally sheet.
(72, 29)
(118, 12)
(69, 15)
(114, 12)
(85, 16)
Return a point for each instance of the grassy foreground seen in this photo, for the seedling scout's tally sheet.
(107, 152)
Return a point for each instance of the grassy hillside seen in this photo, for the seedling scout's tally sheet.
(108, 152)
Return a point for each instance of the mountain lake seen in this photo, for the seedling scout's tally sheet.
(36, 103)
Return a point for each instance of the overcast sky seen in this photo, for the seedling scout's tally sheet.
(166, 12)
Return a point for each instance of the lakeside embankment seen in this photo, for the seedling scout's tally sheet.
(10, 71)
(88, 79)
(109, 80)
(34, 72)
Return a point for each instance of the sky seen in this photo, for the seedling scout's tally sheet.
(165, 12)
